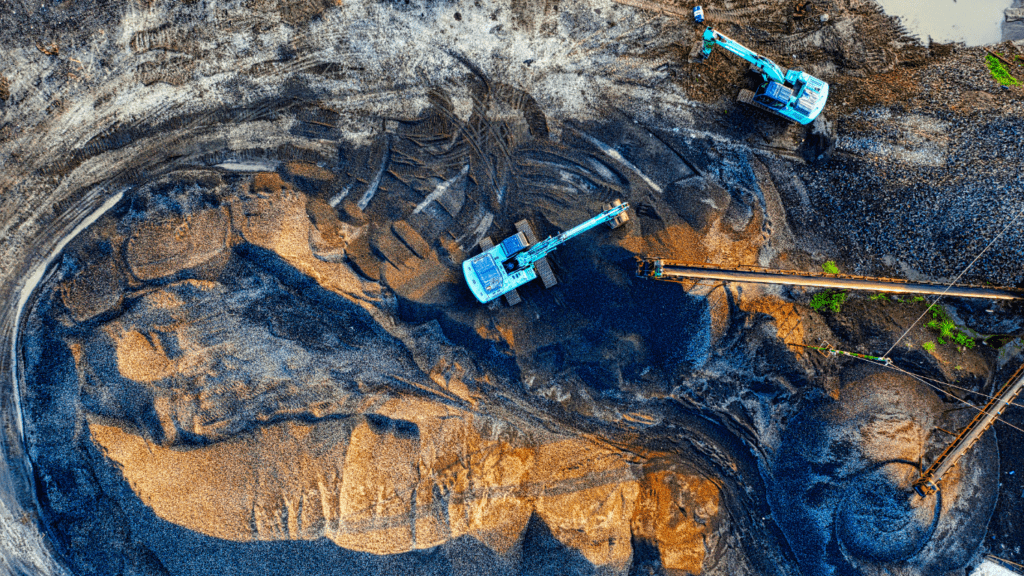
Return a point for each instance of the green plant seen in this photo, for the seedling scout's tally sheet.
(946, 328)
(829, 267)
(999, 71)
(964, 340)
(929, 346)
(829, 299)
(917, 299)
(943, 323)
(881, 296)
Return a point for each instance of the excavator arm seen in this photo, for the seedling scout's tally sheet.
(541, 249)
(770, 70)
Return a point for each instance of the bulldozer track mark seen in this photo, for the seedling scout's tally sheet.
(532, 164)
(521, 100)
(666, 8)
(176, 71)
(471, 133)
(167, 37)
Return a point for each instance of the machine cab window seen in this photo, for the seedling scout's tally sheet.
(773, 95)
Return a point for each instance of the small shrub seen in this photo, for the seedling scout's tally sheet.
(829, 267)
(917, 299)
(929, 346)
(819, 301)
(837, 301)
(829, 299)
(881, 296)
(943, 323)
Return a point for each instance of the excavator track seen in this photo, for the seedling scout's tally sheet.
(527, 230)
(542, 266)
(512, 297)
(747, 97)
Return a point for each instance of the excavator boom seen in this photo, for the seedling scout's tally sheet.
(548, 245)
(770, 70)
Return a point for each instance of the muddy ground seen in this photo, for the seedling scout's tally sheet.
(232, 237)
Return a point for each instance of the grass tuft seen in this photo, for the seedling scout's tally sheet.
(999, 71)
(942, 323)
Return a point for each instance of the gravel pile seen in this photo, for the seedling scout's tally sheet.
(882, 210)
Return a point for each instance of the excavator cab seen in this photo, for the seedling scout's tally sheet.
(514, 244)
(511, 246)
(773, 95)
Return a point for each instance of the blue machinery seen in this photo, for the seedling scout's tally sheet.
(791, 94)
(500, 269)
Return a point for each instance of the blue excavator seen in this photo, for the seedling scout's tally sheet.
(520, 258)
(791, 94)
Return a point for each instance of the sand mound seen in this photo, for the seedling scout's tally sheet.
(842, 481)
(275, 398)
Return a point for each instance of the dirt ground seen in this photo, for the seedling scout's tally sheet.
(232, 237)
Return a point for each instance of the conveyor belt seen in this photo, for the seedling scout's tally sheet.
(929, 481)
(673, 271)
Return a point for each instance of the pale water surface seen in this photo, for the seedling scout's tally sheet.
(974, 22)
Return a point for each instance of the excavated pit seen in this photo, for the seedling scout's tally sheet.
(239, 338)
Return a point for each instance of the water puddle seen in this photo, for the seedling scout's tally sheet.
(974, 22)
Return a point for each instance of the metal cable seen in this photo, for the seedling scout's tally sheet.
(914, 376)
(944, 383)
(923, 381)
